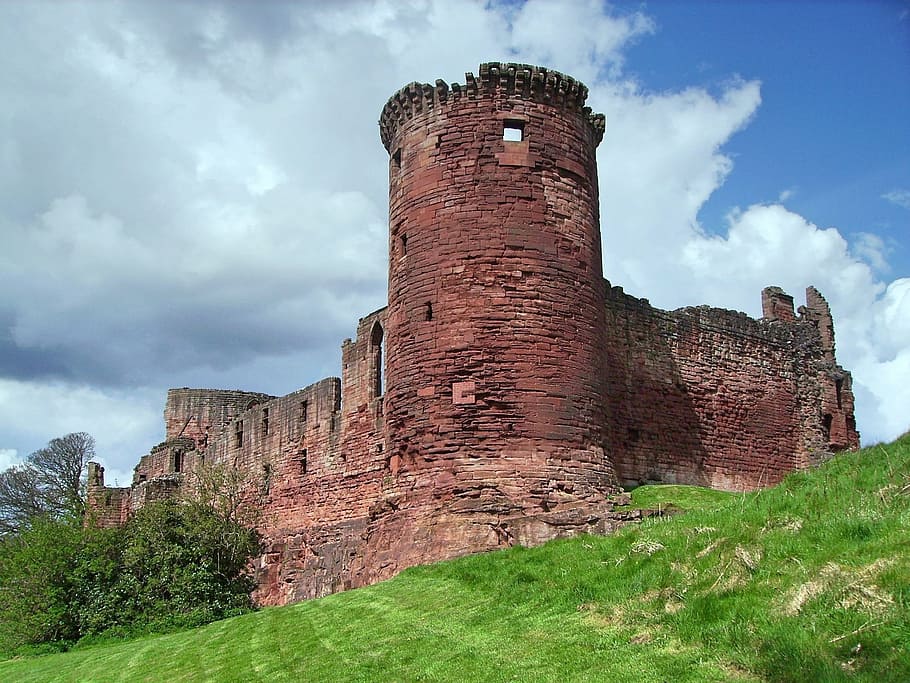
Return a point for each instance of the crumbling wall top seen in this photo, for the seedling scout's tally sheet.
(523, 81)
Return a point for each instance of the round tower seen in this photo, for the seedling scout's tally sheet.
(496, 319)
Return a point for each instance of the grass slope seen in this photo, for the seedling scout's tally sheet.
(806, 581)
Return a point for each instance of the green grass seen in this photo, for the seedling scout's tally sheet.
(658, 497)
(809, 581)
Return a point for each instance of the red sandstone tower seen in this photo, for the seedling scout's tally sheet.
(496, 317)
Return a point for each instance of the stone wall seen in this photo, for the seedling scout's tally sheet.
(712, 397)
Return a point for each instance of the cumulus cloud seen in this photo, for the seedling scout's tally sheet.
(899, 197)
(195, 194)
(872, 249)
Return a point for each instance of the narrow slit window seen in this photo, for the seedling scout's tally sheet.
(303, 463)
(404, 244)
(376, 360)
(513, 131)
(238, 434)
(265, 421)
(303, 412)
(429, 311)
(396, 160)
(839, 387)
(178, 461)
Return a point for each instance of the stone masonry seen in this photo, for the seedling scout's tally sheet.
(508, 391)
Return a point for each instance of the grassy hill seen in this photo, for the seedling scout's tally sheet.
(809, 581)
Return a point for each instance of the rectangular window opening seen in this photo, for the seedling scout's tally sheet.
(513, 131)
(265, 421)
(396, 160)
(303, 463)
(303, 412)
(238, 434)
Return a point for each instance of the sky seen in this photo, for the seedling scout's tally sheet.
(195, 193)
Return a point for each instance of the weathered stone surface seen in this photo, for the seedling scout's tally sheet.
(507, 389)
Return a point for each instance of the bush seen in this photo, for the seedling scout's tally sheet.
(173, 565)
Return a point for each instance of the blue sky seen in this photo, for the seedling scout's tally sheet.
(194, 193)
(832, 127)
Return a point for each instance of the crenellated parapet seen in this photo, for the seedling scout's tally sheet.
(496, 79)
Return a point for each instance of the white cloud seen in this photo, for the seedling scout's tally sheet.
(872, 249)
(899, 197)
(8, 458)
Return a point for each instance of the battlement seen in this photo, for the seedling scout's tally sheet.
(497, 79)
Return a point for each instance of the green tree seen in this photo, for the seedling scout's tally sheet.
(36, 584)
(51, 483)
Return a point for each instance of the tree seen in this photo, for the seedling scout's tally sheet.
(51, 483)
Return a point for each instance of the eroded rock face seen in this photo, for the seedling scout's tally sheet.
(507, 389)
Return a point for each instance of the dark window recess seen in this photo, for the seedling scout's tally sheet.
(838, 388)
(238, 434)
(265, 421)
(513, 131)
(303, 412)
(376, 359)
(266, 479)
(429, 311)
(178, 461)
(143, 477)
(108, 499)
(396, 160)
(826, 426)
(403, 240)
(303, 463)
(634, 436)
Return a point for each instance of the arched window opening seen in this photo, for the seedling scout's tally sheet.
(376, 360)
(178, 461)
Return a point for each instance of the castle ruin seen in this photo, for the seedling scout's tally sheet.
(507, 392)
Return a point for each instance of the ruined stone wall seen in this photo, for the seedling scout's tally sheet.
(712, 397)
(108, 506)
(316, 522)
(195, 413)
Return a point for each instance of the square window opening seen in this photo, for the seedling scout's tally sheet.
(513, 131)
